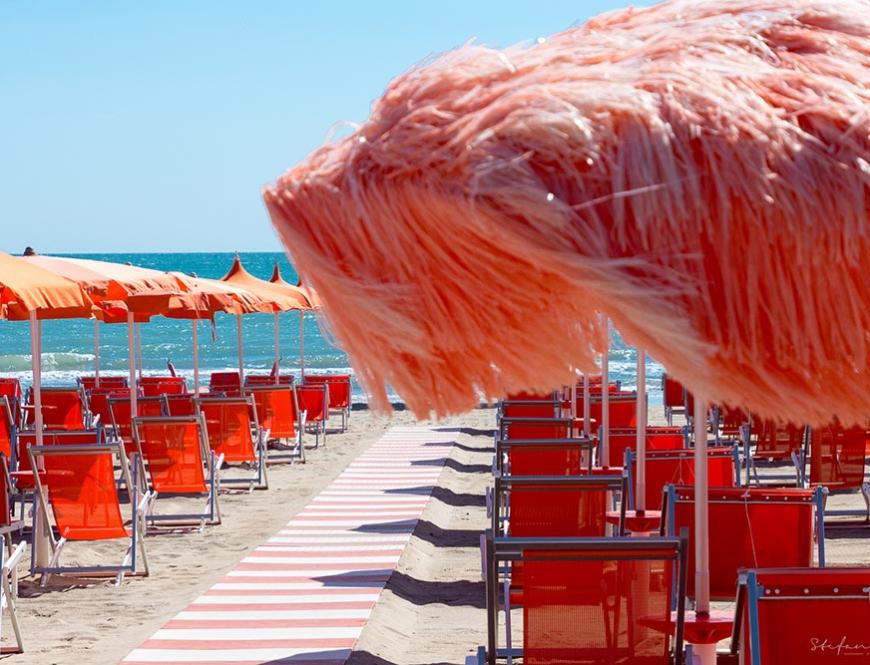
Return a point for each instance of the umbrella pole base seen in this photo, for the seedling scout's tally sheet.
(703, 654)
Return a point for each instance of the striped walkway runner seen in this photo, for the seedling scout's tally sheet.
(304, 596)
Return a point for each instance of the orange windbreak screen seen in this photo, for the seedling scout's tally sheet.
(809, 622)
(749, 528)
(276, 411)
(174, 457)
(313, 400)
(81, 488)
(580, 611)
(229, 429)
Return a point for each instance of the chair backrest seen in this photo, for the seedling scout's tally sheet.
(11, 388)
(181, 405)
(62, 408)
(837, 457)
(7, 428)
(570, 590)
(175, 449)
(27, 439)
(229, 427)
(545, 457)
(146, 407)
(5, 492)
(314, 400)
(657, 438)
(81, 488)
(163, 385)
(106, 382)
(268, 380)
(775, 441)
(673, 393)
(98, 402)
(276, 409)
(541, 408)
(225, 382)
(731, 420)
(749, 528)
(677, 467)
(535, 428)
(621, 406)
(339, 388)
(803, 615)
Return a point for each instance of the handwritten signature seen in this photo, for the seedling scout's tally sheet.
(841, 648)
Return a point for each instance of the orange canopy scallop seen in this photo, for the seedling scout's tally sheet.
(25, 288)
(284, 297)
(310, 294)
(698, 171)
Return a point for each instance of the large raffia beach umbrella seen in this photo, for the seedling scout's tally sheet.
(313, 304)
(284, 298)
(697, 171)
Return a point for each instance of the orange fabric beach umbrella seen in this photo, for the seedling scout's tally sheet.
(698, 172)
(313, 304)
(283, 298)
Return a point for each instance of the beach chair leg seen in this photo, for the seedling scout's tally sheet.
(55, 557)
(865, 492)
(507, 621)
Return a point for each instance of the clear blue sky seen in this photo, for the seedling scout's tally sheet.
(151, 126)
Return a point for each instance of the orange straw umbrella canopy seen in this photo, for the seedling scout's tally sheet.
(26, 288)
(696, 171)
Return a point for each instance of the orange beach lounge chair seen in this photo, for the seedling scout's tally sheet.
(235, 435)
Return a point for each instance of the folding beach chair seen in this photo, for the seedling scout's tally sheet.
(535, 428)
(7, 428)
(278, 412)
(122, 422)
(674, 398)
(750, 528)
(775, 444)
(313, 399)
(9, 561)
(837, 462)
(590, 600)
(11, 389)
(228, 384)
(98, 403)
(163, 385)
(268, 380)
(235, 435)
(179, 463)
(657, 438)
(62, 408)
(729, 423)
(181, 405)
(545, 406)
(802, 615)
(110, 382)
(622, 408)
(339, 393)
(77, 490)
(543, 457)
(677, 467)
(24, 481)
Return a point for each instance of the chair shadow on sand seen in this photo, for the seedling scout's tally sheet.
(425, 530)
(451, 463)
(444, 495)
(368, 658)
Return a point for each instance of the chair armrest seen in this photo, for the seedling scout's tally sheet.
(12, 562)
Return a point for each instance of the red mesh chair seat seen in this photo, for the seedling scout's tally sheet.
(276, 410)
(749, 527)
(622, 408)
(535, 428)
(228, 383)
(268, 380)
(657, 438)
(677, 467)
(49, 438)
(314, 400)
(229, 428)
(11, 389)
(173, 449)
(163, 385)
(339, 388)
(546, 458)
(181, 405)
(777, 442)
(810, 615)
(106, 382)
(731, 420)
(673, 392)
(83, 496)
(837, 457)
(62, 408)
(146, 407)
(546, 407)
(7, 428)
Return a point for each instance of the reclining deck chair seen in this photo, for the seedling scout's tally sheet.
(122, 423)
(530, 427)
(7, 428)
(674, 398)
(9, 593)
(657, 438)
(837, 462)
(10, 388)
(234, 436)
(677, 467)
(24, 481)
(543, 457)
(590, 600)
(179, 463)
(546, 407)
(314, 401)
(110, 382)
(78, 490)
(621, 406)
(181, 404)
(750, 528)
(98, 403)
(269, 380)
(339, 393)
(278, 412)
(775, 444)
(228, 384)
(802, 615)
(62, 408)
(153, 386)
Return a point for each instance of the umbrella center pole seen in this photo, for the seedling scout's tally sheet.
(277, 348)
(702, 540)
(42, 551)
(97, 353)
(587, 430)
(195, 343)
(241, 351)
(302, 345)
(131, 362)
(604, 430)
(640, 489)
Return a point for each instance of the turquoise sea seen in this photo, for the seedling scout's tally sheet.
(68, 346)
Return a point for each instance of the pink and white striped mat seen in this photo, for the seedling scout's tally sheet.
(304, 596)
